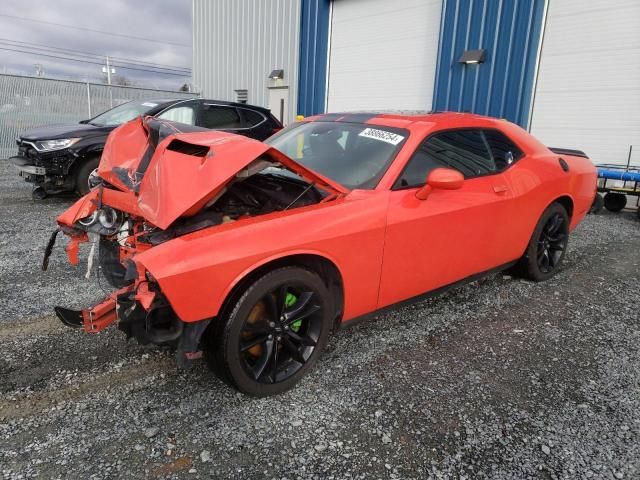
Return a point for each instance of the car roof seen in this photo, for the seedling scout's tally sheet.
(397, 118)
(166, 102)
(235, 104)
(161, 101)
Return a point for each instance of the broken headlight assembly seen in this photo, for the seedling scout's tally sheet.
(104, 221)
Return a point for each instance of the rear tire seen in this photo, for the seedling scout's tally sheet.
(547, 246)
(598, 204)
(84, 172)
(614, 202)
(273, 334)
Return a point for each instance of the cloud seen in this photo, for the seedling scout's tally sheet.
(168, 21)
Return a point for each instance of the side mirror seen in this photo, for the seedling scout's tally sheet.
(84, 121)
(440, 178)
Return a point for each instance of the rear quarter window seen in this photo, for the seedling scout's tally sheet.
(504, 151)
(253, 118)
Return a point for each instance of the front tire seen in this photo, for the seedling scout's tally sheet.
(547, 246)
(109, 260)
(84, 173)
(273, 334)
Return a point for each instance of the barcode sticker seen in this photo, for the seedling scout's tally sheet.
(382, 135)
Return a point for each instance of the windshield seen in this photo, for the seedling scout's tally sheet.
(353, 154)
(123, 113)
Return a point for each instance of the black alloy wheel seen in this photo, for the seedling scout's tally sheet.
(280, 333)
(547, 246)
(274, 334)
(552, 243)
(84, 172)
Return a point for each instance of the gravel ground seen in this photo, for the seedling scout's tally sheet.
(501, 378)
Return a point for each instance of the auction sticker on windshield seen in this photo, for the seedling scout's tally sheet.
(382, 135)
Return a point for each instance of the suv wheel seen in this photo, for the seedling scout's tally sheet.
(83, 174)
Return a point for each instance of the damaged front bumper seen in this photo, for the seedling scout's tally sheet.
(26, 167)
(138, 308)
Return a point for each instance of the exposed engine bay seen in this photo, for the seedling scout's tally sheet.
(270, 190)
(273, 189)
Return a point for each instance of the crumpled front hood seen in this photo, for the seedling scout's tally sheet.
(164, 174)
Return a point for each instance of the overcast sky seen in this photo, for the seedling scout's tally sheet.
(167, 21)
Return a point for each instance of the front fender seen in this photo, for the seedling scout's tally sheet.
(196, 272)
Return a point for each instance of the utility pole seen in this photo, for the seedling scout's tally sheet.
(108, 69)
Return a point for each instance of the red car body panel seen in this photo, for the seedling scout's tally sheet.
(388, 246)
(349, 232)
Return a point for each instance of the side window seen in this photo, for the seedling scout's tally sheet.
(504, 151)
(182, 113)
(463, 150)
(215, 117)
(252, 118)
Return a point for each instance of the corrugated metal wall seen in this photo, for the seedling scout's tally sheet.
(509, 31)
(237, 43)
(314, 46)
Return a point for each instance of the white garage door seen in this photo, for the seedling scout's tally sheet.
(383, 54)
(588, 91)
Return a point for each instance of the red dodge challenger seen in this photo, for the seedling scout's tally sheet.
(253, 253)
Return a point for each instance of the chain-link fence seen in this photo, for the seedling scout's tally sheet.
(27, 102)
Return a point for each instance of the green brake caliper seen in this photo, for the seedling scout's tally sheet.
(290, 301)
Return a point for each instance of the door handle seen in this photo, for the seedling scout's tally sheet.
(500, 188)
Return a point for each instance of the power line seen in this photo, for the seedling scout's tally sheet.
(94, 63)
(12, 43)
(103, 32)
(135, 61)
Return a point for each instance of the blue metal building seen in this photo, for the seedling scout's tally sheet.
(543, 64)
(505, 33)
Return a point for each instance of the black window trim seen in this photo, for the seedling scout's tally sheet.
(395, 186)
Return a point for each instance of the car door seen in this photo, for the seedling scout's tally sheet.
(453, 234)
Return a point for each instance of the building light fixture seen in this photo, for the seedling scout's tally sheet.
(472, 57)
(276, 74)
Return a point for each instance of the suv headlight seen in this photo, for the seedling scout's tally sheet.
(50, 145)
